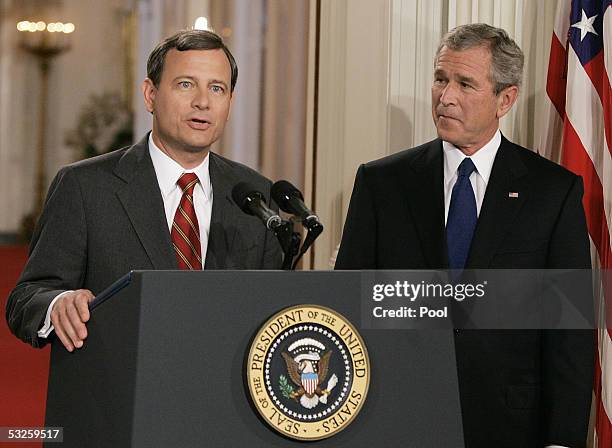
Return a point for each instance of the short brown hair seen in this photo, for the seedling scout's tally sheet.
(183, 41)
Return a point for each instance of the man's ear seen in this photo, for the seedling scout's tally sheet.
(148, 93)
(506, 99)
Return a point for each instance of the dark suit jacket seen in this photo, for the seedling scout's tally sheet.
(104, 217)
(517, 388)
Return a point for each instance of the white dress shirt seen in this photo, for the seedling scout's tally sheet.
(168, 172)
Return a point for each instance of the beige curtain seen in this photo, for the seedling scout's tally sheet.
(269, 39)
(284, 91)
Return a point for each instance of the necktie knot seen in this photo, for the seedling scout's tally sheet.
(187, 183)
(466, 168)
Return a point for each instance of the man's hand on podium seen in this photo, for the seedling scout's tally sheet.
(69, 315)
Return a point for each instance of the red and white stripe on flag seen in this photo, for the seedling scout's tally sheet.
(310, 383)
(578, 134)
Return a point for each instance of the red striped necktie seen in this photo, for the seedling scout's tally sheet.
(185, 230)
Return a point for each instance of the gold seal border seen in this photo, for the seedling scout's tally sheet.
(359, 385)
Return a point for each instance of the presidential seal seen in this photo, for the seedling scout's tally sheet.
(308, 372)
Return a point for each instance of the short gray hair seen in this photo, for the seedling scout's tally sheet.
(506, 56)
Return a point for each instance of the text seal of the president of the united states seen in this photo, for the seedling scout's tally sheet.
(308, 372)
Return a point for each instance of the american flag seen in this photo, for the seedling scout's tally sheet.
(578, 135)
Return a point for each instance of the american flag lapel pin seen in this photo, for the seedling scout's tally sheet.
(513, 194)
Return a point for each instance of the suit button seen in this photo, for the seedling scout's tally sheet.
(457, 331)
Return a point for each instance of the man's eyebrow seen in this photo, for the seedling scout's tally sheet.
(217, 81)
(460, 78)
(184, 77)
(466, 79)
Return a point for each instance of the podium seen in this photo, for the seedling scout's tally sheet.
(165, 360)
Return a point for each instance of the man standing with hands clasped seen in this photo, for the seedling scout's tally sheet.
(164, 203)
(473, 200)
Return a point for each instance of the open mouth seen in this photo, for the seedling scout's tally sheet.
(199, 123)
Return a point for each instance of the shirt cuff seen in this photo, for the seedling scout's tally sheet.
(47, 328)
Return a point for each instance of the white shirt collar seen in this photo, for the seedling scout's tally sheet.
(168, 171)
(483, 158)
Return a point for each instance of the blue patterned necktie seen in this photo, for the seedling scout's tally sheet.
(462, 217)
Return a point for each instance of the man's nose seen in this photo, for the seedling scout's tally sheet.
(448, 96)
(201, 99)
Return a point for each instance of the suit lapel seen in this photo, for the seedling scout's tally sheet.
(142, 202)
(221, 237)
(498, 209)
(426, 201)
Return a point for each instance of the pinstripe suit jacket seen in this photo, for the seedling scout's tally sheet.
(104, 216)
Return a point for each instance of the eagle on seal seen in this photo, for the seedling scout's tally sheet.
(308, 371)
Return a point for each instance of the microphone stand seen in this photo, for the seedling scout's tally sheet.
(314, 230)
(290, 243)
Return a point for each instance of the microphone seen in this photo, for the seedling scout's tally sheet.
(290, 200)
(252, 202)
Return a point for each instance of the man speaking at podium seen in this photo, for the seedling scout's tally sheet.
(472, 199)
(164, 203)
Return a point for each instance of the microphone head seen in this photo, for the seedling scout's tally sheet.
(282, 191)
(243, 194)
